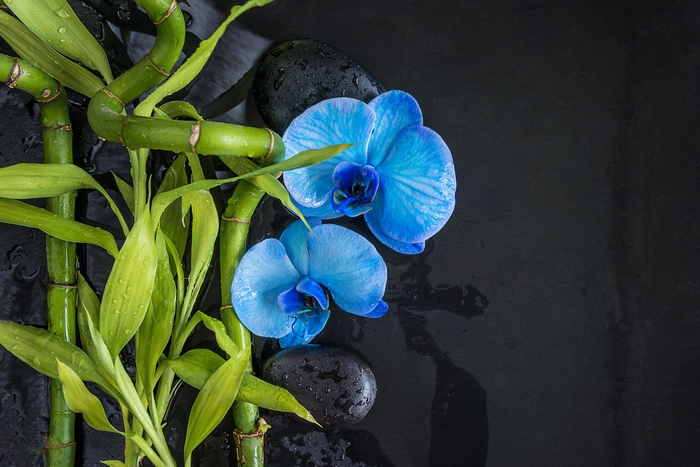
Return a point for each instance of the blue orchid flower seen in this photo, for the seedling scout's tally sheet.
(400, 174)
(279, 287)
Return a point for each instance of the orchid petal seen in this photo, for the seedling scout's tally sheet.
(294, 241)
(264, 272)
(373, 218)
(349, 266)
(417, 189)
(394, 110)
(379, 310)
(305, 330)
(333, 121)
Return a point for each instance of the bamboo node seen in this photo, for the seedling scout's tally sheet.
(272, 145)
(121, 132)
(257, 434)
(226, 307)
(235, 219)
(63, 286)
(15, 74)
(113, 96)
(68, 127)
(49, 99)
(156, 67)
(172, 7)
(194, 135)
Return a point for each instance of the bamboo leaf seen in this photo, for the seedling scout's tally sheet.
(55, 22)
(213, 402)
(155, 331)
(87, 315)
(103, 360)
(129, 286)
(20, 213)
(196, 366)
(194, 64)
(28, 181)
(248, 170)
(205, 230)
(174, 225)
(177, 109)
(113, 463)
(81, 400)
(126, 190)
(40, 348)
(37, 52)
(217, 327)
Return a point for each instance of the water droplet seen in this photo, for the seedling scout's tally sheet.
(126, 296)
(62, 30)
(62, 13)
(122, 281)
(127, 331)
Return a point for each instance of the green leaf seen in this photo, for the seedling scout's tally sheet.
(113, 463)
(154, 333)
(28, 181)
(40, 348)
(196, 366)
(103, 360)
(55, 22)
(38, 53)
(129, 286)
(194, 64)
(126, 190)
(87, 315)
(213, 402)
(178, 109)
(21, 213)
(205, 230)
(217, 327)
(248, 170)
(81, 400)
(263, 394)
(265, 182)
(174, 225)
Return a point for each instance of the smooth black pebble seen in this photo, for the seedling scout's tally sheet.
(296, 74)
(334, 384)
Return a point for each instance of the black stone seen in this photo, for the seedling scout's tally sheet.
(296, 74)
(334, 384)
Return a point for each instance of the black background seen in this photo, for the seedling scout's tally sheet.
(555, 320)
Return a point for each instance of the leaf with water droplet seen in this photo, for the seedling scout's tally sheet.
(118, 329)
(56, 18)
(81, 400)
(39, 348)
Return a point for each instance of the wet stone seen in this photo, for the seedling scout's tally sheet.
(296, 74)
(334, 384)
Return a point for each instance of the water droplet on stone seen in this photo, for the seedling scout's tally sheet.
(335, 385)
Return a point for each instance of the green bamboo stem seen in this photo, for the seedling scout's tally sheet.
(57, 136)
(106, 108)
(233, 236)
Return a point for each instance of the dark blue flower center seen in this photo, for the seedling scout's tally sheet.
(308, 302)
(355, 188)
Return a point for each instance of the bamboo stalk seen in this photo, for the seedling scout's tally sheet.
(106, 108)
(248, 436)
(57, 137)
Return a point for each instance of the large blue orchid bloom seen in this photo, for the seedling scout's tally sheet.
(399, 174)
(279, 287)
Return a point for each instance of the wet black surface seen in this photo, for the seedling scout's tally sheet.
(555, 319)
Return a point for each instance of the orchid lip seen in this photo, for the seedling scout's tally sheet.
(356, 188)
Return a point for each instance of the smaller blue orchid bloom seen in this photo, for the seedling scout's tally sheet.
(399, 175)
(280, 287)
